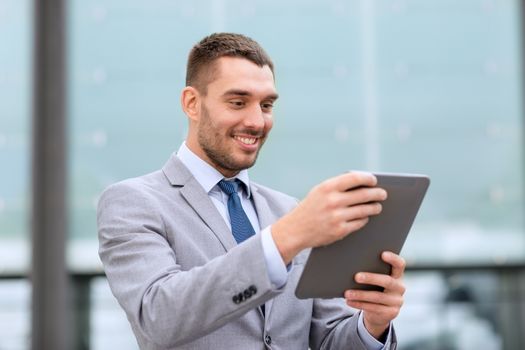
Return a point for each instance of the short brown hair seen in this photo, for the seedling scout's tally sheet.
(200, 69)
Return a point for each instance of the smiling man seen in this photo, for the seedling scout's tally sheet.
(201, 257)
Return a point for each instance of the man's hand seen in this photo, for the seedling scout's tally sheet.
(380, 308)
(331, 211)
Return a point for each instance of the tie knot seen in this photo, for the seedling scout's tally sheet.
(229, 187)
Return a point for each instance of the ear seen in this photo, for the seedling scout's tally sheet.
(190, 100)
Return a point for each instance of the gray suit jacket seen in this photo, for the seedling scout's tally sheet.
(184, 283)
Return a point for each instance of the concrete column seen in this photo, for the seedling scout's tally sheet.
(50, 300)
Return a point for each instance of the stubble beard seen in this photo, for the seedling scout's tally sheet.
(214, 146)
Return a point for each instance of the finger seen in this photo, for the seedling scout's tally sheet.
(354, 179)
(389, 283)
(387, 299)
(363, 195)
(361, 211)
(354, 225)
(397, 262)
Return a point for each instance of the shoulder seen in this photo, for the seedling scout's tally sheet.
(139, 190)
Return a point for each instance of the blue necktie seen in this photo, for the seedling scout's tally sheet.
(241, 227)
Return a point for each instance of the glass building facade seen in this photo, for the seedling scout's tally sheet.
(418, 86)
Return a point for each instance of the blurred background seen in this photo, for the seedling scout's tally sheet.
(421, 86)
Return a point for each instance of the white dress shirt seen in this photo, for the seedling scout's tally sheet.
(208, 177)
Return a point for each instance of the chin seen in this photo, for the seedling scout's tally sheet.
(246, 164)
(243, 166)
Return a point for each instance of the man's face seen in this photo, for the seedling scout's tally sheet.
(235, 115)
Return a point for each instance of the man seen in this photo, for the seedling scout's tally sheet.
(199, 260)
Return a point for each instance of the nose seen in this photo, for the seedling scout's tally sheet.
(254, 118)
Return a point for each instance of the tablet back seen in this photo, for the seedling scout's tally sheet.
(330, 270)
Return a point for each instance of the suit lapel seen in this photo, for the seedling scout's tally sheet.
(266, 218)
(264, 214)
(198, 199)
(204, 207)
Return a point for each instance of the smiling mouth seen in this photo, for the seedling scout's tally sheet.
(246, 140)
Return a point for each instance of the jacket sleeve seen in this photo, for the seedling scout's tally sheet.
(334, 326)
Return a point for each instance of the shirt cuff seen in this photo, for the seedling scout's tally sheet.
(370, 342)
(277, 271)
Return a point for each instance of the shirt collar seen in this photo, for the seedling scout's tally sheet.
(205, 174)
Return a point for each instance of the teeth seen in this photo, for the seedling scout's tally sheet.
(246, 140)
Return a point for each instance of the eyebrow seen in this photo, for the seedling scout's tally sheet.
(239, 92)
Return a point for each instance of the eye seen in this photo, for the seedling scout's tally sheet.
(237, 103)
(267, 106)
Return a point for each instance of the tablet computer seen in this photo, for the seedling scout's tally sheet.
(330, 270)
